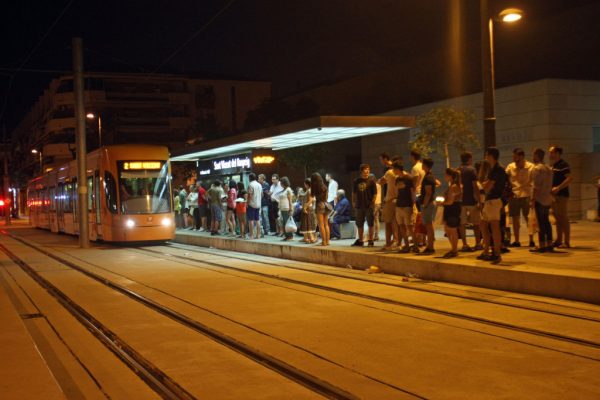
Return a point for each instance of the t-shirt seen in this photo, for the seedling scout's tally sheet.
(265, 197)
(332, 189)
(254, 194)
(231, 196)
(428, 180)
(201, 194)
(404, 185)
(183, 198)
(541, 177)
(560, 170)
(364, 191)
(284, 201)
(214, 195)
(418, 173)
(498, 175)
(276, 189)
(520, 179)
(468, 175)
(390, 182)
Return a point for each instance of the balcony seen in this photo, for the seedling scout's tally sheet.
(59, 124)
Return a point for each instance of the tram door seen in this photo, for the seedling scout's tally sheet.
(60, 212)
(93, 234)
(98, 204)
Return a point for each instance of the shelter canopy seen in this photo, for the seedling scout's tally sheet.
(300, 133)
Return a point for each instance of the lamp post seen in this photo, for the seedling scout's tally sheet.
(39, 153)
(92, 116)
(487, 66)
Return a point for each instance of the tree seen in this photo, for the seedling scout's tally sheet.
(307, 158)
(442, 127)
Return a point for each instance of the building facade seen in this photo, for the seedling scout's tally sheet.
(547, 112)
(134, 108)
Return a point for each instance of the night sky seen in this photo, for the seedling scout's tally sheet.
(294, 44)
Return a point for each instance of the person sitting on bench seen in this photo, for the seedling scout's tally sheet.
(341, 214)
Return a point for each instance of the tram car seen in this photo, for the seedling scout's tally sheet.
(129, 195)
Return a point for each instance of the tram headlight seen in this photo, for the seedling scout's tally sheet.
(129, 223)
(166, 221)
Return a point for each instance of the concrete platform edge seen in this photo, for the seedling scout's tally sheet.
(486, 276)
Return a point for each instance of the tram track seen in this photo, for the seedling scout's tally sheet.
(456, 315)
(392, 284)
(302, 378)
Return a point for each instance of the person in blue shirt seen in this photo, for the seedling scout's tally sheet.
(341, 214)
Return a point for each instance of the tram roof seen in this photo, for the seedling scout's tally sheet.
(295, 134)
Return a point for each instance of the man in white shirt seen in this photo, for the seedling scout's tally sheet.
(255, 193)
(332, 188)
(417, 171)
(274, 192)
(519, 175)
(541, 200)
(389, 205)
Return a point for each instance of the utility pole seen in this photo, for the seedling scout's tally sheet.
(7, 196)
(82, 189)
(487, 75)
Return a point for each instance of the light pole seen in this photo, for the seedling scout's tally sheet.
(487, 66)
(39, 153)
(92, 116)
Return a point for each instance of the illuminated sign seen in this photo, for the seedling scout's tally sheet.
(263, 159)
(134, 165)
(205, 172)
(234, 162)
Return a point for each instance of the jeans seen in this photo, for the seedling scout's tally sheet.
(264, 218)
(284, 216)
(544, 227)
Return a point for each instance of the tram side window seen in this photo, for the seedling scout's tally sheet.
(44, 195)
(74, 197)
(110, 190)
(67, 205)
(90, 194)
(60, 197)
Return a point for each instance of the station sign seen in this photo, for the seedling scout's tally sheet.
(225, 165)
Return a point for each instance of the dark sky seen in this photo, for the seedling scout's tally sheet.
(296, 44)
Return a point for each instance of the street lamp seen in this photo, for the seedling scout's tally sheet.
(487, 66)
(92, 116)
(39, 153)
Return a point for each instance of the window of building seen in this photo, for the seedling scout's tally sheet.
(205, 97)
(596, 138)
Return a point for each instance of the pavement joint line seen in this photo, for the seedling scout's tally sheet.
(311, 382)
(401, 286)
(532, 331)
(154, 377)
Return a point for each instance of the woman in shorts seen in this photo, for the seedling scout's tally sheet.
(452, 209)
(230, 214)
(240, 209)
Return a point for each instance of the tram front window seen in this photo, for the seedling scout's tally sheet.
(144, 187)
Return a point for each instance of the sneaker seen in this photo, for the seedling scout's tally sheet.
(415, 249)
(484, 257)
(358, 243)
(495, 259)
(450, 254)
(515, 244)
(531, 243)
(466, 249)
(371, 243)
(405, 249)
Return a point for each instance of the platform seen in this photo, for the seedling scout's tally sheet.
(572, 274)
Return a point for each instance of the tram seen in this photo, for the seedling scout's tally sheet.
(129, 195)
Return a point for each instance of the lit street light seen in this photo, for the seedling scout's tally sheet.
(92, 116)
(487, 67)
(39, 152)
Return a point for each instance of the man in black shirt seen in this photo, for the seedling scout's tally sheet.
(561, 178)
(471, 202)
(493, 186)
(364, 190)
(405, 202)
(428, 208)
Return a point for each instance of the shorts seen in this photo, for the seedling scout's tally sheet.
(202, 210)
(253, 213)
(216, 212)
(471, 214)
(230, 208)
(518, 205)
(428, 213)
(363, 214)
(404, 216)
(491, 210)
(241, 216)
(451, 215)
(389, 211)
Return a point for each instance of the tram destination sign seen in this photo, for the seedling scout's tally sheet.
(225, 165)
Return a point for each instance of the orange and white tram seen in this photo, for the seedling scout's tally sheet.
(129, 195)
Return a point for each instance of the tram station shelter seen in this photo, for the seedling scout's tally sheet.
(234, 157)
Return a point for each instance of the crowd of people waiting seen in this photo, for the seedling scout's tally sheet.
(476, 196)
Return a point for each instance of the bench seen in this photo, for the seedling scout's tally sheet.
(348, 230)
